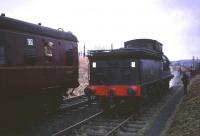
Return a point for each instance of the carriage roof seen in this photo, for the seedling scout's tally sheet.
(21, 26)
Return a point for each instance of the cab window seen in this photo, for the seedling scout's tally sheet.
(165, 63)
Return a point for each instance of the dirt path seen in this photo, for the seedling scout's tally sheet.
(186, 120)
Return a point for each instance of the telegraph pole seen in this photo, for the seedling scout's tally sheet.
(84, 50)
(111, 46)
(193, 63)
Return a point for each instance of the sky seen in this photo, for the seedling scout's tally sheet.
(100, 23)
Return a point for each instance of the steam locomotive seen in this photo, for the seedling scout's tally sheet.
(138, 70)
(37, 64)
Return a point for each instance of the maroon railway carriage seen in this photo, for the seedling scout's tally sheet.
(37, 63)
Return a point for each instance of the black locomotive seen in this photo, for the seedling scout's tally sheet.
(138, 70)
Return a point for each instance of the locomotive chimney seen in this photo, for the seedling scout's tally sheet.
(3, 14)
(39, 24)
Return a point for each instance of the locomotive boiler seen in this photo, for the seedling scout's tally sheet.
(138, 70)
(37, 64)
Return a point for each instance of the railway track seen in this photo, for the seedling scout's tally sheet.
(74, 102)
(72, 110)
(123, 123)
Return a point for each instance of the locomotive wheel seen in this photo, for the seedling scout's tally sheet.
(104, 103)
(117, 101)
(133, 102)
(152, 93)
(166, 85)
(158, 90)
(155, 93)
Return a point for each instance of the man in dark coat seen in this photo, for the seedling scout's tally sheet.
(185, 81)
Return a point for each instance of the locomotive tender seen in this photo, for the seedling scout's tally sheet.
(37, 64)
(138, 70)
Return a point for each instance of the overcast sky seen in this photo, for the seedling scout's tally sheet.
(100, 23)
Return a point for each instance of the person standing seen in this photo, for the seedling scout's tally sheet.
(48, 51)
(185, 81)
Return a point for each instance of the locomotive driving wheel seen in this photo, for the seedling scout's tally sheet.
(104, 103)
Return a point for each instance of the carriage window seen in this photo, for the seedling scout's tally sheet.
(30, 55)
(69, 56)
(48, 46)
(2, 55)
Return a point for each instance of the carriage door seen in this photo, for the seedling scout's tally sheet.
(49, 53)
